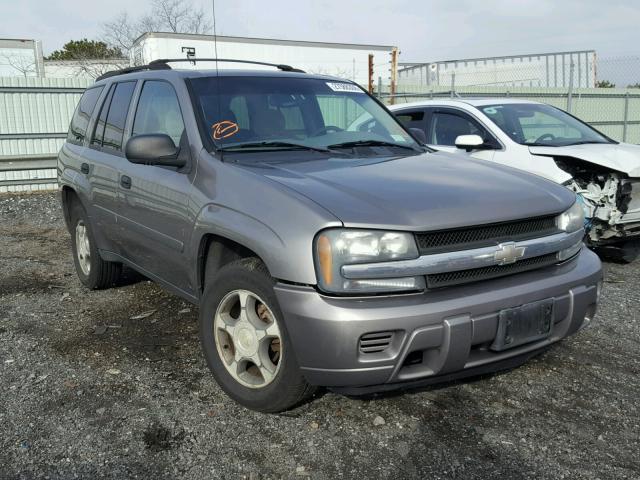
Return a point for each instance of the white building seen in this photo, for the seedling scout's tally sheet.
(339, 59)
(20, 58)
(546, 70)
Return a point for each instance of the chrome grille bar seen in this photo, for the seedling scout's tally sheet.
(466, 259)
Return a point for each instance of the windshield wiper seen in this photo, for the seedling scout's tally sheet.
(275, 144)
(583, 142)
(370, 143)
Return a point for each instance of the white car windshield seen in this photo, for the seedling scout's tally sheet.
(261, 113)
(542, 125)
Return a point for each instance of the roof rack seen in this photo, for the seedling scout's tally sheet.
(284, 68)
(162, 64)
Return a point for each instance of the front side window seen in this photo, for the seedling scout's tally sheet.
(544, 125)
(82, 115)
(446, 127)
(159, 111)
(265, 113)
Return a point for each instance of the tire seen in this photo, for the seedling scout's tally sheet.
(92, 270)
(284, 386)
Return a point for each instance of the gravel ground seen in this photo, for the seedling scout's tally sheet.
(112, 384)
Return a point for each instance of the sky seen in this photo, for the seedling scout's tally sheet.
(425, 30)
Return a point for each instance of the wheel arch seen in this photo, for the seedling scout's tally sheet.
(216, 251)
(69, 196)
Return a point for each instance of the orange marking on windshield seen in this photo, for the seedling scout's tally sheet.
(224, 129)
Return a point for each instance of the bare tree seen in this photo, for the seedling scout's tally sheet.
(121, 31)
(26, 65)
(177, 16)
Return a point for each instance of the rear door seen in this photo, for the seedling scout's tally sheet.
(153, 210)
(106, 157)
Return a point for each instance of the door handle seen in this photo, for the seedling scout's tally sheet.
(125, 181)
(84, 168)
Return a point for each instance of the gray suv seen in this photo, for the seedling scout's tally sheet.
(323, 243)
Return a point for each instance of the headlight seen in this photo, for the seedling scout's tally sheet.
(572, 220)
(338, 247)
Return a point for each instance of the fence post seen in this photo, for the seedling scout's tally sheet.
(394, 74)
(370, 78)
(570, 92)
(453, 83)
(380, 92)
(626, 117)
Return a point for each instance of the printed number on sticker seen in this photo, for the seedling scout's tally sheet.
(344, 87)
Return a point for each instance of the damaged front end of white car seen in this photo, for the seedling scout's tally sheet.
(611, 205)
(606, 179)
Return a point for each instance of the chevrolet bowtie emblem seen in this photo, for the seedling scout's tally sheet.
(508, 253)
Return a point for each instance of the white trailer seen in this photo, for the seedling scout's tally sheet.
(20, 58)
(339, 59)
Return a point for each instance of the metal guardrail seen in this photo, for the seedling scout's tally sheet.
(12, 164)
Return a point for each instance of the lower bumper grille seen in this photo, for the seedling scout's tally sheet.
(375, 342)
(449, 279)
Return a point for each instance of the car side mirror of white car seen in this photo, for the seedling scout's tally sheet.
(470, 142)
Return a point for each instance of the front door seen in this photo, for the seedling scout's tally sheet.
(447, 124)
(153, 211)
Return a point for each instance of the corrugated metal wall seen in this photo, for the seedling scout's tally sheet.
(34, 118)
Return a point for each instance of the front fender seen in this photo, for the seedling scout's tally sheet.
(289, 260)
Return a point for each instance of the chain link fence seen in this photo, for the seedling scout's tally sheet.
(604, 92)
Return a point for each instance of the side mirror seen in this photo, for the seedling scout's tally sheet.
(153, 149)
(472, 142)
(418, 133)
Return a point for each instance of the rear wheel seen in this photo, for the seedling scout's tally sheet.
(245, 341)
(92, 270)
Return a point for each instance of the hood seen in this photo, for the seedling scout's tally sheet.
(621, 157)
(422, 192)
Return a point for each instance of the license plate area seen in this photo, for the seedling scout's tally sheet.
(525, 324)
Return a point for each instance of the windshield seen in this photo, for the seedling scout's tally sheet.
(246, 113)
(537, 124)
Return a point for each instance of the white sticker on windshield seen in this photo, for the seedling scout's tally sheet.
(344, 87)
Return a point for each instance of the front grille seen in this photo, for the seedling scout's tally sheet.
(449, 279)
(485, 235)
(375, 342)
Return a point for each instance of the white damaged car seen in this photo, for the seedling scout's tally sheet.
(545, 140)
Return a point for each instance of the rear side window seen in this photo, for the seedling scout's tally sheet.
(102, 119)
(159, 111)
(110, 127)
(82, 115)
(412, 119)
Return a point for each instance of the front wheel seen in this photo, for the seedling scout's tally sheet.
(245, 341)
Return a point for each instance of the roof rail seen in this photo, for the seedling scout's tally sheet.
(162, 64)
(139, 68)
(284, 68)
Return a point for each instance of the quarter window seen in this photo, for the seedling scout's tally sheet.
(159, 111)
(82, 115)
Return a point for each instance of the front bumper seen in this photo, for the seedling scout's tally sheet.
(450, 329)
